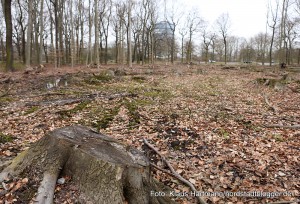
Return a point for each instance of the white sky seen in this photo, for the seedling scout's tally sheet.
(248, 17)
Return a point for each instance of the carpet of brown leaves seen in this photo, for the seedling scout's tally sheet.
(212, 124)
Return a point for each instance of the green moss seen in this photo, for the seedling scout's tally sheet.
(158, 93)
(31, 110)
(223, 133)
(139, 79)
(106, 116)
(102, 77)
(79, 107)
(6, 99)
(132, 107)
(5, 138)
(271, 82)
(278, 138)
(17, 65)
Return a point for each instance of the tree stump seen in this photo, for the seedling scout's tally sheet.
(105, 170)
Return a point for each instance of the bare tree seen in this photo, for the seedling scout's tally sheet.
(105, 18)
(223, 24)
(72, 33)
(89, 51)
(6, 5)
(129, 53)
(41, 30)
(207, 38)
(1, 39)
(183, 32)
(193, 25)
(173, 20)
(260, 44)
(20, 18)
(283, 32)
(96, 23)
(29, 33)
(272, 25)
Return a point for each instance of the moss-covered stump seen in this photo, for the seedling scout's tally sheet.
(105, 170)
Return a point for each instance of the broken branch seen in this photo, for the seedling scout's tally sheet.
(272, 107)
(284, 126)
(178, 176)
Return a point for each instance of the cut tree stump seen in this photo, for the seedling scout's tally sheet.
(105, 170)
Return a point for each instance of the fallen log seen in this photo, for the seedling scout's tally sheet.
(87, 97)
(105, 170)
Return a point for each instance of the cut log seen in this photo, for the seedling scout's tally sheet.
(105, 170)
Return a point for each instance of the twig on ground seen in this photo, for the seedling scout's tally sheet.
(283, 126)
(163, 170)
(272, 107)
(124, 128)
(178, 176)
(285, 202)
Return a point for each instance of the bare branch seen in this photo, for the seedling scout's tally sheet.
(178, 176)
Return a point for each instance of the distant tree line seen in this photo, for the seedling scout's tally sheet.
(94, 32)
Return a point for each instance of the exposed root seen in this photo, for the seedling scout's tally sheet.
(176, 175)
(45, 192)
(272, 107)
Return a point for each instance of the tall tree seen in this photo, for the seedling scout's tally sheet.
(173, 20)
(72, 33)
(21, 21)
(89, 54)
(223, 24)
(96, 23)
(207, 38)
(41, 30)
(6, 4)
(193, 25)
(129, 52)
(183, 32)
(105, 19)
(272, 24)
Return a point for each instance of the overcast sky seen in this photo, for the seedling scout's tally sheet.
(248, 17)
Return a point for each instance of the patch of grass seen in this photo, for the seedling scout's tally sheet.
(278, 138)
(106, 117)
(31, 110)
(132, 107)
(157, 93)
(223, 133)
(139, 79)
(19, 66)
(102, 77)
(5, 138)
(6, 99)
(79, 107)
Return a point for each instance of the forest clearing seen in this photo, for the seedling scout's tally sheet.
(222, 128)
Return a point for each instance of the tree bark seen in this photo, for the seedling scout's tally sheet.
(9, 30)
(129, 53)
(97, 58)
(104, 169)
(41, 45)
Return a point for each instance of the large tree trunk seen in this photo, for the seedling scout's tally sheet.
(97, 58)
(41, 45)
(9, 42)
(105, 170)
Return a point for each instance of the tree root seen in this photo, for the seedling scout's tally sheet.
(46, 189)
(272, 107)
(175, 174)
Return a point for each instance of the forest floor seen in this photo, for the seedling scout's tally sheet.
(225, 129)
